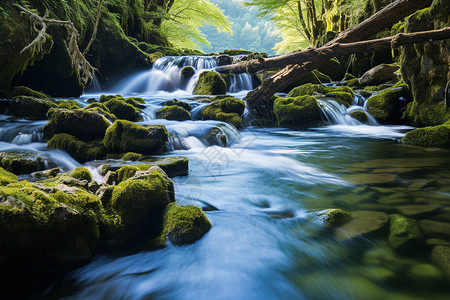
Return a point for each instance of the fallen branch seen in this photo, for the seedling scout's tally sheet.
(78, 60)
(94, 31)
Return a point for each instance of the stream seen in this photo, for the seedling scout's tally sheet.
(257, 193)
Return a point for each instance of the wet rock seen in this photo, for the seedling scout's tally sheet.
(179, 103)
(139, 175)
(378, 207)
(26, 91)
(80, 150)
(210, 83)
(123, 110)
(404, 232)
(331, 217)
(441, 258)
(360, 115)
(67, 189)
(227, 110)
(21, 162)
(297, 112)
(435, 229)
(187, 73)
(310, 89)
(387, 106)
(224, 59)
(184, 224)
(50, 173)
(30, 108)
(83, 124)
(361, 223)
(12, 202)
(378, 75)
(131, 156)
(125, 136)
(437, 136)
(417, 210)
(173, 112)
(105, 193)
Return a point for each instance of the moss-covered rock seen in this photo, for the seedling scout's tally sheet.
(67, 104)
(173, 112)
(297, 112)
(84, 124)
(332, 217)
(21, 162)
(354, 83)
(26, 91)
(341, 97)
(184, 224)
(227, 110)
(30, 108)
(179, 103)
(310, 89)
(331, 68)
(404, 232)
(360, 115)
(6, 177)
(187, 73)
(125, 136)
(80, 150)
(388, 106)
(436, 136)
(210, 83)
(81, 173)
(140, 205)
(131, 156)
(123, 110)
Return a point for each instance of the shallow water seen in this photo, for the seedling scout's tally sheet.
(257, 193)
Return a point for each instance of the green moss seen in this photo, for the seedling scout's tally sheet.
(81, 173)
(123, 110)
(30, 108)
(187, 72)
(6, 177)
(226, 109)
(106, 98)
(354, 83)
(179, 103)
(371, 89)
(125, 136)
(173, 112)
(210, 83)
(387, 106)
(128, 171)
(297, 112)
(80, 150)
(21, 162)
(235, 52)
(184, 224)
(331, 68)
(337, 216)
(68, 104)
(437, 136)
(404, 232)
(309, 89)
(349, 76)
(83, 124)
(360, 115)
(140, 205)
(341, 97)
(131, 156)
(26, 91)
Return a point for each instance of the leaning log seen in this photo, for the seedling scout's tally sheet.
(295, 69)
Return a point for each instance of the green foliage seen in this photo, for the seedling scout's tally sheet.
(182, 21)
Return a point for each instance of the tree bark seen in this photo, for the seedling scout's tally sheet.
(386, 17)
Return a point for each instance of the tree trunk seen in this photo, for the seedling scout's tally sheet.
(386, 17)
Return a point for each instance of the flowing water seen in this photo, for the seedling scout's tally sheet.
(257, 193)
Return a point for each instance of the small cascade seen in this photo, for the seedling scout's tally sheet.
(337, 114)
(165, 76)
(95, 86)
(22, 132)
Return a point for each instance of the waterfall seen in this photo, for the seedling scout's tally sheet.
(165, 76)
(337, 114)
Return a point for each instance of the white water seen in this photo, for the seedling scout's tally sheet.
(165, 77)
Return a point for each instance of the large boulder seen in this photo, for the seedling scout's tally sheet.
(210, 83)
(123, 110)
(30, 108)
(125, 136)
(435, 136)
(387, 107)
(173, 112)
(297, 112)
(179, 103)
(83, 124)
(378, 75)
(184, 224)
(227, 110)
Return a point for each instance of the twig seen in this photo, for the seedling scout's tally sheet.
(94, 32)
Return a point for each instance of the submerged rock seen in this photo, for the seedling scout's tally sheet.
(378, 75)
(173, 112)
(435, 229)
(185, 224)
(297, 112)
(332, 217)
(361, 223)
(21, 162)
(441, 258)
(125, 136)
(436, 136)
(404, 232)
(210, 83)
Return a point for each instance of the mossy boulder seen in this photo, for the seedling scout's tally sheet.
(297, 112)
(80, 150)
(173, 112)
(436, 136)
(81, 173)
(404, 232)
(312, 89)
(67, 104)
(179, 103)
(387, 107)
(227, 110)
(26, 91)
(131, 156)
(125, 136)
(332, 217)
(187, 73)
(21, 162)
(184, 224)
(84, 124)
(6, 177)
(360, 115)
(341, 97)
(123, 110)
(140, 205)
(30, 108)
(210, 83)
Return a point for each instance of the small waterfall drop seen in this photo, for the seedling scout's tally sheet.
(165, 76)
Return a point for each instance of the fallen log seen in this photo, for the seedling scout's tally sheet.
(296, 64)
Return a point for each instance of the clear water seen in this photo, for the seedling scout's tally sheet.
(262, 244)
